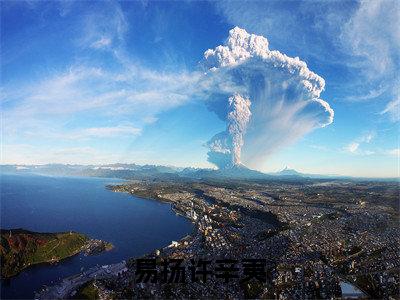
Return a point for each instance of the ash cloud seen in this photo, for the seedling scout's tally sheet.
(267, 99)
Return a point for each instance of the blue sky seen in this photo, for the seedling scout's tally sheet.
(104, 82)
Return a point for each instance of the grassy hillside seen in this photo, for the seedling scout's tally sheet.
(20, 248)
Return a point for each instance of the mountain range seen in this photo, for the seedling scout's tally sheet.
(135, 171)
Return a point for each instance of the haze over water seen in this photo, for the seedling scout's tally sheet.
(52, 204)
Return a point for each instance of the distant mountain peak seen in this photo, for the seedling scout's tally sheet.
(289, 172)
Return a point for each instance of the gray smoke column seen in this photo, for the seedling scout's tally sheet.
(268, 100)
(238, 117)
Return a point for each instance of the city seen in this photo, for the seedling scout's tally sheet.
(317, 238)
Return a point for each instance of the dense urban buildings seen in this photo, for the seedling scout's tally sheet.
(282, 239)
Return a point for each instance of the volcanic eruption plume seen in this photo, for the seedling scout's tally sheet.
(267, 99)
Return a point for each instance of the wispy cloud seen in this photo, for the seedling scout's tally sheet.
(105, 25)
(124, 131)
(46, 105)
(394, 152)
(29, 154)
(320, 147)
(123, 95)
(373, 33)
(101, 43)
(110, 131)
(370, 95)
(85, 88)
(354, 146)
(392, 109)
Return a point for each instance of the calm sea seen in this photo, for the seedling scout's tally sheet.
(133, 225)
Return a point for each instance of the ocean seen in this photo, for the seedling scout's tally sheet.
(135, 226)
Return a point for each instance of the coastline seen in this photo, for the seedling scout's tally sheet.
(34, 249)
(65, 286)
(294, 237)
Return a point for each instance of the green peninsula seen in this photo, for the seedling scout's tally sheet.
(21, 248)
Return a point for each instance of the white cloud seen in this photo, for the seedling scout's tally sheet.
(126, 93)
(120, 91)
(74, 151)
(101, 43)
(107, 132)
(28, 154)
(392, 109)
(371, 95)
(139, 97)
(394, 152)
(120, 131)
(150, 120)
(320, 147)
(354, 147)
(373, 33)
(105, 25)
(368, 137)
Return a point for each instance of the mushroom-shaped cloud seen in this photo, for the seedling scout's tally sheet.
(267, 99)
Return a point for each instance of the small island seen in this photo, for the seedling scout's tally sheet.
(21, 248)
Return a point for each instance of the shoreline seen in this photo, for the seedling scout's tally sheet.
(14, 237)
(293, 236)
(65, 286)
